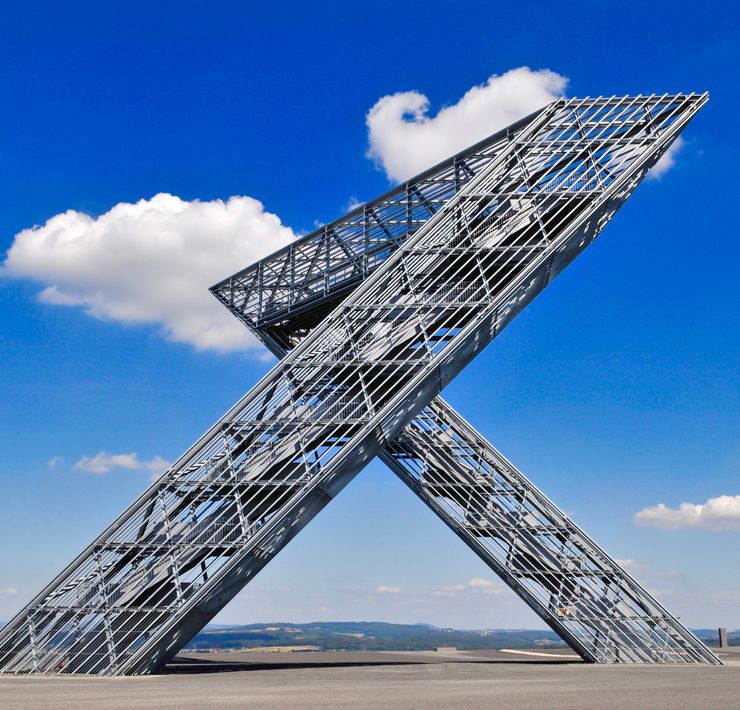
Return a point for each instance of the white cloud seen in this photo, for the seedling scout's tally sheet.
(352, 204)
(721, 513)
(454, 588)
(450, 590)
(667, 160)
(9, 592)
(485, 586)
(104, 463)
(151, 263)
(404, 139)
(387, 590)
(54, 461)
(630, 565)
(478, 585)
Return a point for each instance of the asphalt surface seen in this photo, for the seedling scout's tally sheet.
(430, 681)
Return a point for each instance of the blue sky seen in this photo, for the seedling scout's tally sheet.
(616, 390)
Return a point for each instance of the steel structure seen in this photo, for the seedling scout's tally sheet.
(379, 311)
(572, 584)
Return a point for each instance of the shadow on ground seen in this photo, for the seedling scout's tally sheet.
(188, 665)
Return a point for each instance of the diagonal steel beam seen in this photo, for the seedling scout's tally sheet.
(571, 583)
(562, 574)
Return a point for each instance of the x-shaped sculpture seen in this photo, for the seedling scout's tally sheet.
(374, 315)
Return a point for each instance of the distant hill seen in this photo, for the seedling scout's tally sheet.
(711, 636)
(367, 636)
(382, 636)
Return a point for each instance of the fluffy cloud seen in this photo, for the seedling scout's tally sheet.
(104, 463)
(631, 565)
(450, 590)
(352, 204)
(484, 586)
(667, 160)
(404, 139)
(722, 513)
(9, 592)
(151, 263)
(382, 589)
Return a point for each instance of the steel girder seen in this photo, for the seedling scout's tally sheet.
(570, 582)
(180, 552)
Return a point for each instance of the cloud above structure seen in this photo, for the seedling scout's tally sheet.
(717, 514)
(103, 463)
(405, 140)
(667, 160)
(383, 589)
(151, 263)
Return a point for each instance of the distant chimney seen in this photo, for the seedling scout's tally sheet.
(723, 637)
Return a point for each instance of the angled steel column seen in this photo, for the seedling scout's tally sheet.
(571, 583)
(556, 569)
(578, 589)
(173, 559)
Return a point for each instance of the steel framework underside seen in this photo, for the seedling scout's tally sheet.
(379, 311)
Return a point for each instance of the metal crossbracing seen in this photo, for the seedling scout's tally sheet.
(360, 381)
(579, 590)
(571, 583)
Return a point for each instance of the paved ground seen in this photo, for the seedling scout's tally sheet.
(388, 680)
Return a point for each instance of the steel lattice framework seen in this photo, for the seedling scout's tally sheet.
(374, 315)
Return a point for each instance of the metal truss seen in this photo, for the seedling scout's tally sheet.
(287, 294)
(562, 574)
(351, 387)
(571, 583)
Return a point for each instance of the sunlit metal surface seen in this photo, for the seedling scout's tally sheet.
(429, 285)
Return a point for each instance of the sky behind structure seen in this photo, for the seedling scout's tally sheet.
(151, 151)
